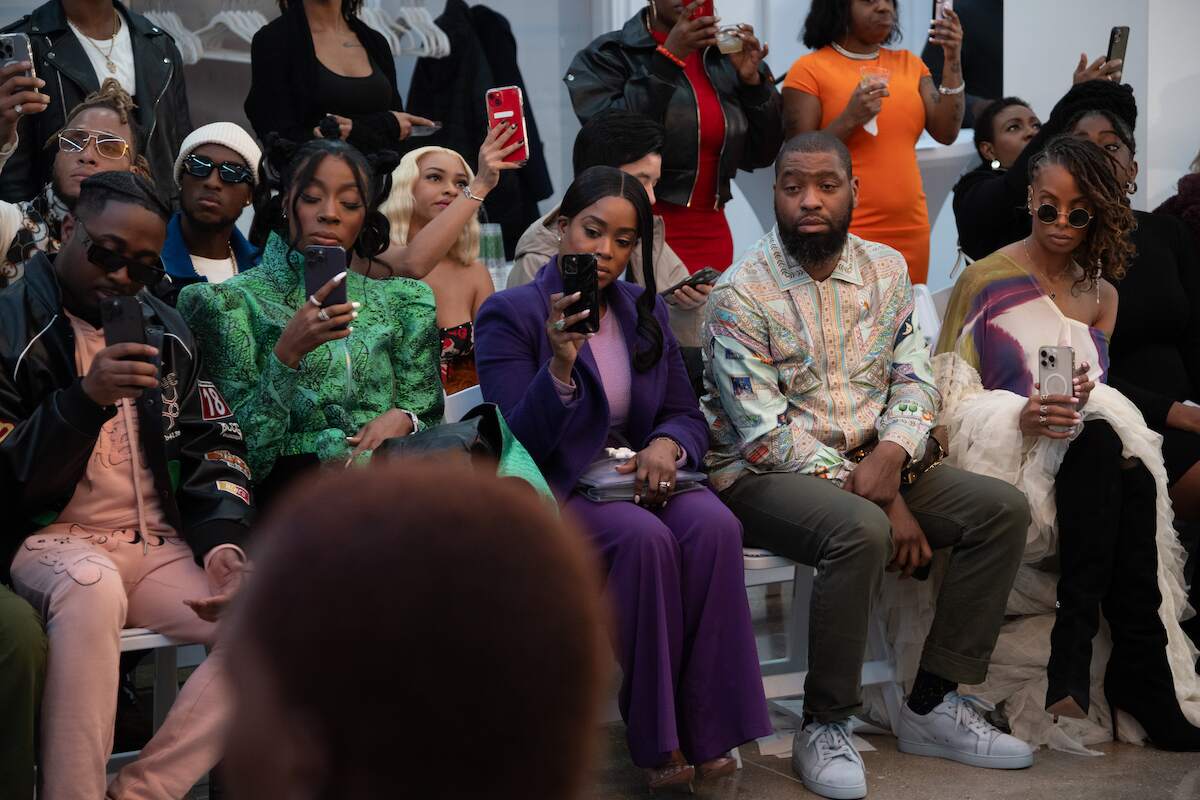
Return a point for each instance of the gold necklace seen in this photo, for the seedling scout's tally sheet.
(112, 42)
(233, 260)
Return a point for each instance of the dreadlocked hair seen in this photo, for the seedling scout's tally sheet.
(112, 97)
(287, 166)
(1106, 250)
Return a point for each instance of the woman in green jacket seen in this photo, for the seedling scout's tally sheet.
(311, 385)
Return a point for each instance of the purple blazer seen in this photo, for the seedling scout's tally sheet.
(512, 355)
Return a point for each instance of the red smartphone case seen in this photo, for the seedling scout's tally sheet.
(506, 106)
(706, 9)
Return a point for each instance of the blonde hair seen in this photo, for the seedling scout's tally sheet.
(399, 206)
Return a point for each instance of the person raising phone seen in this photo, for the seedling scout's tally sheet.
(675, 560)
(308, 382)
(1091, 468)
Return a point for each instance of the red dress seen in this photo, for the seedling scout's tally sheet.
(699, 232)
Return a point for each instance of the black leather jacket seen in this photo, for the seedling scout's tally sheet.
(49, 426)
(623, 69)
(59, 59)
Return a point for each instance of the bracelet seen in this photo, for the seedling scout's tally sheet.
(674, 59)
(466, 190)
(956, 90)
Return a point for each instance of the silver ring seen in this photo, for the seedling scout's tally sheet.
(323, 315)
(561, 325)
(17, 108)
(1042, 421)
(664, 485)
(312, 298)
(1042, 410)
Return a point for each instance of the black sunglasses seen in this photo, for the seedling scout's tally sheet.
(111, 261)
(228, 171)
(1076, 217)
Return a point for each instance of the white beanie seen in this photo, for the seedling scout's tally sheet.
(229, 134)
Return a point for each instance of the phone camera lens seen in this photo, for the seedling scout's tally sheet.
(496, 101)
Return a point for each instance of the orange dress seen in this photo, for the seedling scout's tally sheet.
(891, 199)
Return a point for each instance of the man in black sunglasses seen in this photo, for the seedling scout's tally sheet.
(124, 476)
(217, 174)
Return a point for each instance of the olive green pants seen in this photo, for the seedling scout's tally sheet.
(22, 670)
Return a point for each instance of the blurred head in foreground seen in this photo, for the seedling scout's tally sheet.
(396, 641)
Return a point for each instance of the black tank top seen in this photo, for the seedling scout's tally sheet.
(348, 97)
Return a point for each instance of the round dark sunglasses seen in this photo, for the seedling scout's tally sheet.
(110, 261)
(1076, 217)
(227, 171)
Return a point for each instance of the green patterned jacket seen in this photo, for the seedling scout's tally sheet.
(390, 361)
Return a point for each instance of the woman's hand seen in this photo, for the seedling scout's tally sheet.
(566, 344)
(312, 326)
(1098, 70)
(690, 35)
(655, 467)
(948, 32)
(345, 125)
(1042, 412)
(18, 91)
(495, 148)
(388, 425)
(1083, 385)
(690, 297)
(910, 548)
(407, 121)
(865, 104)
(753, 52)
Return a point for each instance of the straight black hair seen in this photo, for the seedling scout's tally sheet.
(350, 8)
(829, 20)
(592, 186)
(614, 138)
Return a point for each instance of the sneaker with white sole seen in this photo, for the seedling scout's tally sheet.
(824, 757)
(957, 730)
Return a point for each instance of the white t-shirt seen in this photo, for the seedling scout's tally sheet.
(121, 55)
(214, 269)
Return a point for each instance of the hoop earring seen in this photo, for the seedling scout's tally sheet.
(1131, 187)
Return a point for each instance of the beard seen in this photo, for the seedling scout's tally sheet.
(815, 248)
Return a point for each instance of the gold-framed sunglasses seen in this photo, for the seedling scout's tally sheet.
(1047, 214)
(108, 145)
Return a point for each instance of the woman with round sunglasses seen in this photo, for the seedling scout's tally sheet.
(217, 175)
(1091, 469)
(100, 135)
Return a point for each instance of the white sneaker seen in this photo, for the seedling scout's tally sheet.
(826, 761)
(958, 731)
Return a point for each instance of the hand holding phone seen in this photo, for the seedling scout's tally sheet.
(123, 369)
(506, 106)
(580, 276)
(1118, 42)
(707, 276)
(1053, 411)
(317, 321)
(19, 84)
(696, 29)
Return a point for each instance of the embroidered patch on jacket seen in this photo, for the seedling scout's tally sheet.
(237, 491)
(229, 459)
(212, 405)
(5, 429)
(231, 430)
(170, 400)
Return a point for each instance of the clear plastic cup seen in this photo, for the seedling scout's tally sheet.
(728, 41)
(873, 74)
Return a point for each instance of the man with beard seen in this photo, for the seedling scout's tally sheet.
(217, 175)
(99, 135)
(820, 397)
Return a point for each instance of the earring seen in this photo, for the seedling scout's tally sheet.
(995, 163)
(1131, 187)
(653, 12)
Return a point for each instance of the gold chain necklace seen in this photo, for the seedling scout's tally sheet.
(112, 42)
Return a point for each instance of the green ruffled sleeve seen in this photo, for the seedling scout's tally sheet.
(416, 352)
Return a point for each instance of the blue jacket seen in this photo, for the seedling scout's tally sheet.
(178, 261)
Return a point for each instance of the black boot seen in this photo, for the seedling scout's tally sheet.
(1138, 679)
(1088, 493)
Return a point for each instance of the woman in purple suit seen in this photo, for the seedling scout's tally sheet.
(692, 688)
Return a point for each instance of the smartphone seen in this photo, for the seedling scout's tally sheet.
(323, 263)
(506, 106)
(424, 130)
(1118, 41)
(705, 9)
(579, 275)
(940, 7)
(121, 318)
(1056, 373)
(707, 276)
(16, 47)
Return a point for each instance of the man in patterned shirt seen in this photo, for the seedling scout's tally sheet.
(813, 358)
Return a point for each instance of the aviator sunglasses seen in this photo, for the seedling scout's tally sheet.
(227, 171)
(109, 145)
(1076, 217)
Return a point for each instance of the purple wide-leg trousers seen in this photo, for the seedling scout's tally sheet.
(682, 625)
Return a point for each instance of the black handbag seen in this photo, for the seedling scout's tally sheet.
(476, 436)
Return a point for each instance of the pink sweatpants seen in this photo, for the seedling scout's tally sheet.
(88, 587)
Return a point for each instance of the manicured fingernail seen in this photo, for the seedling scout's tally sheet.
(353, 315)
(587, 312)
(341, 276)
(512, 126)
(637, 499)
(356, 306)
(349, 329)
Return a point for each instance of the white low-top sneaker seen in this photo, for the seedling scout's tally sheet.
(958, 731)
(825, 759)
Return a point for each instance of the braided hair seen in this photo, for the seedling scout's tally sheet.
(287, 166)
(1106, 250)
(593, 185)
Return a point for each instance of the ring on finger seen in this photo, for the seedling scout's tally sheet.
(561, 325)
(17, 108)
(323, 315)
(312, 298)
(664, 486)
(1043, 421)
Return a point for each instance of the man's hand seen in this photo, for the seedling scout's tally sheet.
(910, 548)
(877, 477)
(225, 571)
(120, 371)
